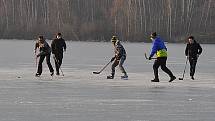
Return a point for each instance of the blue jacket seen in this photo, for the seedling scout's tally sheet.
(159, 48)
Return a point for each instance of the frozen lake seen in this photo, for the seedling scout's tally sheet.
(80, 95)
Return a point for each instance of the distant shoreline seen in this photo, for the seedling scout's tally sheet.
(104, 41)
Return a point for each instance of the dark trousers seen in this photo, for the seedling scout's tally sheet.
(120, 63)
(40, 65)
(161, 61)
(58, 62)
(193, 61)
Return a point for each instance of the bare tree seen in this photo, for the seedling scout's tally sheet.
(132, 20)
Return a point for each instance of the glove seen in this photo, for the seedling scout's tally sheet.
(112, 59)
(150, 58)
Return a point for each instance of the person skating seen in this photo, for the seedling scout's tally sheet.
(160, 50)
(58, 46)
(118, 59)
(192, 51)
(44, 52)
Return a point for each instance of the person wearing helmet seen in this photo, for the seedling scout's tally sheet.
(160, 50)
(192, 51)
(118, 59)
(58, 46)
(45, 52)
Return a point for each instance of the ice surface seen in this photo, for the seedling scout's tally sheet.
(83, 96)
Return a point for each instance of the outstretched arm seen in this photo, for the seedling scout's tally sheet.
(53, 47)
(199, 49)
(187, 50)
(64, 45)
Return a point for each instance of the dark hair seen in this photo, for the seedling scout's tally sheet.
(191, 37)
(59, 34)
(154, 34)
(41, 37)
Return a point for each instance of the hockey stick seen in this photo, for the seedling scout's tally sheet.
(98, 72)
(148, 58)
(184, 70)
(58, 65)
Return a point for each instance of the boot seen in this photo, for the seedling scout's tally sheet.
(192, 77)
(155, 80)
(111, 76)
(58, 74)
(37, 75)
(125, 76)
(52, 73)
(172, 78)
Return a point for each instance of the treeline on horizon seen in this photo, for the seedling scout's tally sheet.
(98, 20)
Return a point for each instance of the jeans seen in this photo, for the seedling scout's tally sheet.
(120, 63)
(40, 66)
(193, 61)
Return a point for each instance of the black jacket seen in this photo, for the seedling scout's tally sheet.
(192, 50)
(57, 46)
(43, 47)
